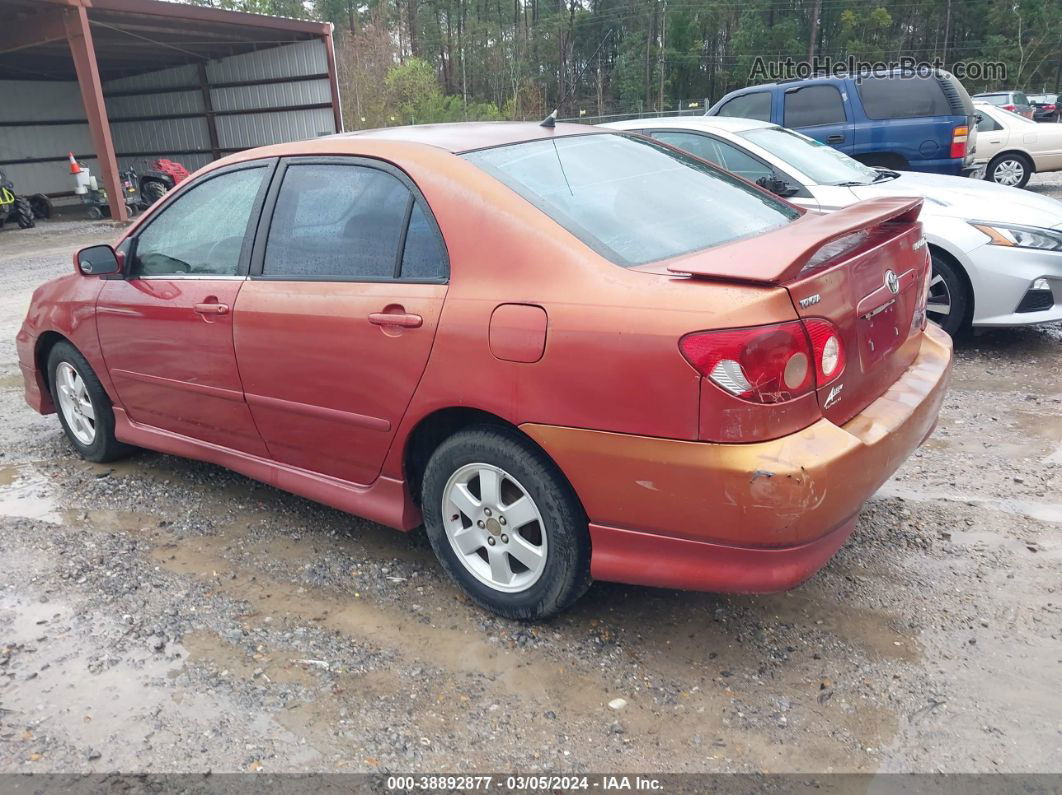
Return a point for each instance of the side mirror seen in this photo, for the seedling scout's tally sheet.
(777, 186)
(97, 261)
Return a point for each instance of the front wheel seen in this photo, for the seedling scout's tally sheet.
(1011, 170)
(505, 524)
(948, 297)
(84, 408)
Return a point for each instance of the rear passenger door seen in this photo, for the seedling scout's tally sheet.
(335, 325)
(820, 111)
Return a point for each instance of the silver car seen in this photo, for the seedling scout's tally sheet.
(997, 251)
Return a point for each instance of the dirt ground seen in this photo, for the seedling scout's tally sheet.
(165, 615)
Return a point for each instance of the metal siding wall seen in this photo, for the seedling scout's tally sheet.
(289, 60)
(259, 129)
(34, 100)
(165, 78)
(44, 101)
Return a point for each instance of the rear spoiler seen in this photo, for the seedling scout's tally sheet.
(779, 256)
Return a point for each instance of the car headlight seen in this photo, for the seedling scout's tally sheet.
(1021, 236)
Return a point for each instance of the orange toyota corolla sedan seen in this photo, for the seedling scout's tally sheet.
(570, 353)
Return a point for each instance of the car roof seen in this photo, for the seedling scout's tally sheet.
(467, 136)
(729, 123)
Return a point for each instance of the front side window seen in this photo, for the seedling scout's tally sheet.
(631, 199)
(748, 106)
(721, 153)
(348, 221)
(899, 97)
(702, 146)
(823, 164)
(814, 105)
(202, 231)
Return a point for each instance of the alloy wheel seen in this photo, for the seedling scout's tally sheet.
(938, 307)
(495, 527)
(75, 403)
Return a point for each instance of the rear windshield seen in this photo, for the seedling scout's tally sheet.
(995, 99)
(633, 200)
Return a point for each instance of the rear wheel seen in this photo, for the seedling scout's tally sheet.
(505, 523)
(948, 296)
(152, 191)
(83, 406)
(1012, 170)
(41, 205)
(23, 212)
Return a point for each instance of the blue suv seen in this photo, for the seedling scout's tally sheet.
(914, 121)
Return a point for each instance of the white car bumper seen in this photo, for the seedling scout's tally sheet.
(1003, 278)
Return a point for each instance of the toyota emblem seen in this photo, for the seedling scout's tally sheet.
(892, 281)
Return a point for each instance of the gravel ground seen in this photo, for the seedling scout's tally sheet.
(165, 615)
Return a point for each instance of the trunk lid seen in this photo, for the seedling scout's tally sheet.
(863, 269)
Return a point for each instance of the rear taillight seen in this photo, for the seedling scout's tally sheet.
(827, 349)
(768, 364)
(959, 137)
(1011, 108)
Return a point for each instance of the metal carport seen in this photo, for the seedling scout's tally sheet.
(123, 81)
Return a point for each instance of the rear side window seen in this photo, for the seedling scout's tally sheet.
(814, 105)
(350, 222)
(988, 124)
(748, 106)
(900, 97)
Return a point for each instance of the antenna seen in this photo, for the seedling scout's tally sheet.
(551, 120)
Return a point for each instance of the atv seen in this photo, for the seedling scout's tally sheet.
(13, 206)
(161, 177)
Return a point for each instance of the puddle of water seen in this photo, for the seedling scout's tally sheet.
(26, 493)
(1040, 511)
(11, 381)
(1056, 456)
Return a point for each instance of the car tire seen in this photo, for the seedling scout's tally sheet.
(23, 213)
(465, 519)
(41, 206)
(948, 288)
(1011, 169)
(72, 382)
(152, 191)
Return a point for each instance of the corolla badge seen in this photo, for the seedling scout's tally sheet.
(892, 281)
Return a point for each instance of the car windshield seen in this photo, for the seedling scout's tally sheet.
(823, 164)
(1046, 99)
(994, 99)
(633, 200)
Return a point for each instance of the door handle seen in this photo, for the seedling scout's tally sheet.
(212, 308)
(835, 139)
(396, 319)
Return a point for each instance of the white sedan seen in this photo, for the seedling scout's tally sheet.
(997, 251)
(1013, 148)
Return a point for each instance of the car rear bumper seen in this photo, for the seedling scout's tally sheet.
(743, 517)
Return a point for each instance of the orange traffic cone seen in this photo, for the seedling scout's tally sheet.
(74, 167)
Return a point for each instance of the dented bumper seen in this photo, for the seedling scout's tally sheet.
(744, 517)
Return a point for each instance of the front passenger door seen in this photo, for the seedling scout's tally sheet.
(334, 328)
